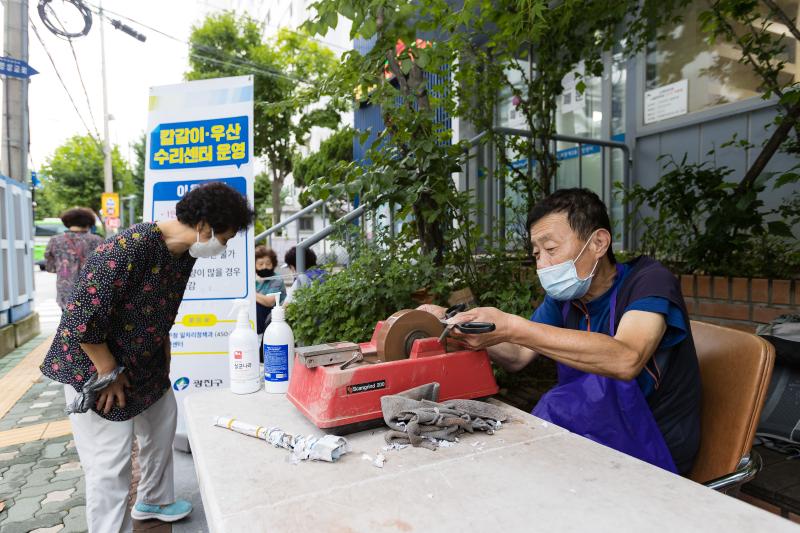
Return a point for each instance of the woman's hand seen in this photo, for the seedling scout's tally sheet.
(502, 321)
(113, 394)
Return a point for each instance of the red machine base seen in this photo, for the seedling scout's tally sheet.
(347, 400)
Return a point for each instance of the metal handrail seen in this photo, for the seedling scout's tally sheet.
(580, 141)
(283, 223)
(567, 138)
(301, 247)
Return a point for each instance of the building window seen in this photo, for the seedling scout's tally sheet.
(685, 74)
(306, 223)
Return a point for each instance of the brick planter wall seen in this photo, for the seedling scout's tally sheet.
(739, 303)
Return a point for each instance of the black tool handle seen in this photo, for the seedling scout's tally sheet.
(475, 328)
(454, 310)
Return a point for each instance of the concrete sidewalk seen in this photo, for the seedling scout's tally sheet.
(41, 482)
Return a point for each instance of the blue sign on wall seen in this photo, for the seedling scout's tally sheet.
(200, 143)
(16, 68)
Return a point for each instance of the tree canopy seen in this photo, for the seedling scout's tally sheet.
(73, 176)
(284, 68)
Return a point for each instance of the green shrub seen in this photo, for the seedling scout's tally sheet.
(706, 224)
(379, 281)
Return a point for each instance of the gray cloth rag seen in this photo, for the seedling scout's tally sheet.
(87, 397)
(415, 417)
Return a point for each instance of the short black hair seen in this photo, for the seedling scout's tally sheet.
(585, 211)
(291, 257)
(82, 217)
(220, 206)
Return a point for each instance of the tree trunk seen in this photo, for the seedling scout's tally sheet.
(431, 234)
(775, 141)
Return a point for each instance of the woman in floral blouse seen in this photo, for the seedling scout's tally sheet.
(66, 253)
(115, 330)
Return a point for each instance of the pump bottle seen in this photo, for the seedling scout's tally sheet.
(243, 352)
(278, 352)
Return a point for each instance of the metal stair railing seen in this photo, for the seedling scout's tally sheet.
(324, 232)
(283, 223)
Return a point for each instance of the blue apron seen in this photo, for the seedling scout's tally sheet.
(608, 411)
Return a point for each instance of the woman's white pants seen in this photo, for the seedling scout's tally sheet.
(104, 448)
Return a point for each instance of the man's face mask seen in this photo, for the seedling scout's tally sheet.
(561, 281)
(210, 248)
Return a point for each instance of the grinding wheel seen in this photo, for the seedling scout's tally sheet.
(400, 330)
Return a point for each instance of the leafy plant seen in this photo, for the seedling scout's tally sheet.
(383, 277)
(379, 281)
(706, 219)
(335, 149)
(704, 223)
(759, 30)
(411, 161)
(530, 46)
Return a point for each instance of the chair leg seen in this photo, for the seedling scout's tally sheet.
(748, 467)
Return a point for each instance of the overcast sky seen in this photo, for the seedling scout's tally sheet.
(132, 67)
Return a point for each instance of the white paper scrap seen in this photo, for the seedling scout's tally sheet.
(326, 448)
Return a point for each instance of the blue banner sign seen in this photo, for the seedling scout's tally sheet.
(201, 143)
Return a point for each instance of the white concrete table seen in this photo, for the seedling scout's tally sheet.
(529, 476)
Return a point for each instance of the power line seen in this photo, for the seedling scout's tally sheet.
(63, 33)
(275, 26)
(78, 68)
(255, 68)
(64, 85)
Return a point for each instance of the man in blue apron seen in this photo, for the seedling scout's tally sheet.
(628, 376)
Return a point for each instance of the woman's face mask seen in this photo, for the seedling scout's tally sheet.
(561, 281)
(265, 272)
(210, 248)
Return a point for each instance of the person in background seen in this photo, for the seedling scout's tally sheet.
(112, 351)
(267, 285)
(66, 254)
(303, 279)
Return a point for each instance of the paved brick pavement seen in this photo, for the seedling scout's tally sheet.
(44, 402)
(41, 481)
(11, 360)
(42, 486)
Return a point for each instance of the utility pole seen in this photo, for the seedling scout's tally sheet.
(107, 173)
(15, 101)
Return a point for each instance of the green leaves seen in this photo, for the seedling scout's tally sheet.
(780, 229)
(703, 223)
(368, 29)
(786, 178)
(75, 176)
(379, 280)
(405, 66)
(288, 71)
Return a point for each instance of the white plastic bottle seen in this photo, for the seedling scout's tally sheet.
(278, 352)
(243, 352)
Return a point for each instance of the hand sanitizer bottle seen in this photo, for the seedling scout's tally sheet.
(278, 352)
(243, 352)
